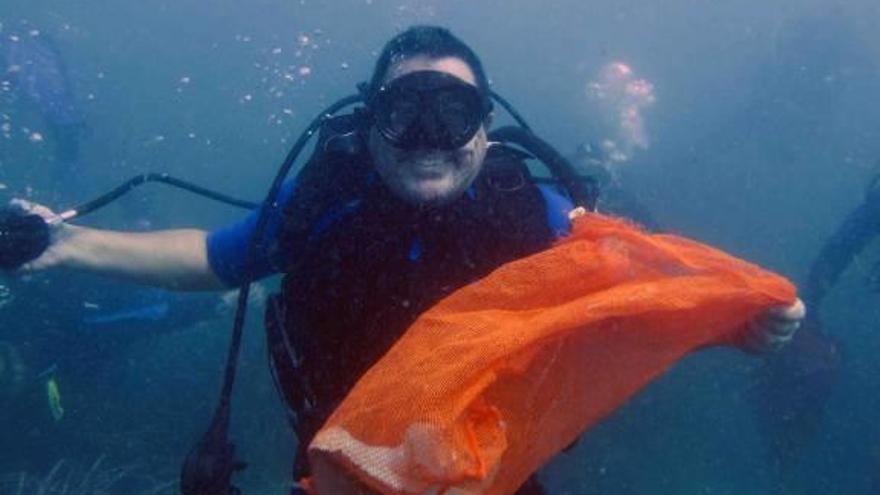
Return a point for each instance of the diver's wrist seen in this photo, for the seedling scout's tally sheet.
(74, 246)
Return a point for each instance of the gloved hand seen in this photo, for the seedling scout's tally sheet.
(58, 231)
(775, 328)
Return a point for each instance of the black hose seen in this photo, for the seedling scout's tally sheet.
(269, 204)
(209, 466)
(127, 186)
(512, 111)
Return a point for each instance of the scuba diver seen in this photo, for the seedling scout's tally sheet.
(61, 340)
(593, 160)
(405, 200)
(794, 118)
(37, 74)
(795, 386)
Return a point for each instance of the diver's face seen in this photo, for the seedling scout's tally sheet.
(429, 176)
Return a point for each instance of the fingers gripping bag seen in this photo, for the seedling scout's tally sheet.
(499, 376)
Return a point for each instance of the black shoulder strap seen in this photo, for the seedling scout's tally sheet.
(583, 190)
(505, 168)
(337, 171)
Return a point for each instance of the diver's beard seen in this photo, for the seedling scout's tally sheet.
(426, 160)
(436, 178)
(430, 192)
(425, 177)
(432, 186)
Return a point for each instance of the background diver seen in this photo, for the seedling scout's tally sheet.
(592, 160)
(794, 388)
(37, 77)
(76, 336)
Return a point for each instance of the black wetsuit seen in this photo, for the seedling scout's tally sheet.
(369, 264)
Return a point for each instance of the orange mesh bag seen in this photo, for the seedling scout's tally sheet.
(498, 377)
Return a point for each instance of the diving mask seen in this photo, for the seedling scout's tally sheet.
(428, 109)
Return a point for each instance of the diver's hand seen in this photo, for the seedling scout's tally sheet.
(59, 236)
(775, 328)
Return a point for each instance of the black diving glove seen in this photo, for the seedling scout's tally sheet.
(24, 237)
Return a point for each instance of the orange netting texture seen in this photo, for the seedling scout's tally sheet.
(495, 379)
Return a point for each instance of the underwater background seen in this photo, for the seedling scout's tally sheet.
(752, 125)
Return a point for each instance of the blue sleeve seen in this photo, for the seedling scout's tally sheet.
(558, 207)
(227, 247)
